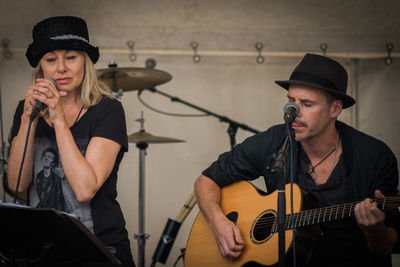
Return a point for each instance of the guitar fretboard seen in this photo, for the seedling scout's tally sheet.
(331, 213)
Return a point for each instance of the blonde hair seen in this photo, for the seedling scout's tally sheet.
(92, 90)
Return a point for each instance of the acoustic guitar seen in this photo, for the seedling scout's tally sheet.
(256, 217)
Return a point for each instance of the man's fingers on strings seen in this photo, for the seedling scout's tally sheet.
(238, 237)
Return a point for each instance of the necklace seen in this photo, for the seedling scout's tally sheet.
(313, 172)
(77, 117)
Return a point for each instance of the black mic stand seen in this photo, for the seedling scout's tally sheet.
(233, 125)
(280, 174)
(293, 170)
(279, 171)
(3, 158)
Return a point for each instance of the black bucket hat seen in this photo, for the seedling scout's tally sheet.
(60, 33)
(323, 73)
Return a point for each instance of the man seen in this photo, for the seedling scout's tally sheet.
(336, 164)
(48, 183)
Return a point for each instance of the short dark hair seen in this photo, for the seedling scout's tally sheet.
(330, 97)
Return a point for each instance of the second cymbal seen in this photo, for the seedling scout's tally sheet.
(129, 79)
(144, 137)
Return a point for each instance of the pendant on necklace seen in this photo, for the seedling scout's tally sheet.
(313, 173)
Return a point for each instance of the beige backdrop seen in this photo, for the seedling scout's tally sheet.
(227, 81)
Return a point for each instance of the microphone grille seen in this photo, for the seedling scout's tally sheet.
(53, 81)
(291, 105)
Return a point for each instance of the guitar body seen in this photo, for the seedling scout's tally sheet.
(253, 212)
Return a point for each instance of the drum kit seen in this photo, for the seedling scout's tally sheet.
(135, 79)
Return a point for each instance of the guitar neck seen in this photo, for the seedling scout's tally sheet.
(332, 213)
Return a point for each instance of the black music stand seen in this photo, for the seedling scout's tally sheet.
(36, 237)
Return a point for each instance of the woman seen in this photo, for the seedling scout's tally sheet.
(81, 122)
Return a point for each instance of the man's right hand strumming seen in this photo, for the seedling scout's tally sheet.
(227, 234)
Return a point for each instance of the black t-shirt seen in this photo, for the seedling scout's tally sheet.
(342, 241)
(50, 188)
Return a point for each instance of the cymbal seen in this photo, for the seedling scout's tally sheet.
(129, 79)
(144, 137)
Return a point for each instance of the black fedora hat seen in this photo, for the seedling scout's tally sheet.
(323, 73)
(60, 33)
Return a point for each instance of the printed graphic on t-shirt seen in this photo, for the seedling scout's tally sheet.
(50, 187)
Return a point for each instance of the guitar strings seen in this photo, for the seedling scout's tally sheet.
(330, 210)
(310, 215)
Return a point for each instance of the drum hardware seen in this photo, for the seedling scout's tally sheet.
(145, 137)
(130, 79)
(142, 139)
(117, 93)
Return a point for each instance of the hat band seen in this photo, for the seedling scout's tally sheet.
(303, 76)
(69, 37)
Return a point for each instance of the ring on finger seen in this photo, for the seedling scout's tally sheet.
(35, 92)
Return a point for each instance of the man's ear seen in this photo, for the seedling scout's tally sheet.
(336, 108)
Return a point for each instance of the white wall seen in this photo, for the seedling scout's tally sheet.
(234, 86)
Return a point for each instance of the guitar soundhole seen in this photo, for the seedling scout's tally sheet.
(262, 226)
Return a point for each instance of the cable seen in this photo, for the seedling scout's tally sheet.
(179, 257)
(168, 113)
(291, 194)
(22, 161)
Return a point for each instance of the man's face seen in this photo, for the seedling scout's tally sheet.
(315, 112)
(47, 159)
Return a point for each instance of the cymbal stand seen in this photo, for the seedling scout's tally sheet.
(141, 236)
(117, 93)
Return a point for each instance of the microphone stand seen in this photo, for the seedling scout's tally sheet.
(3, 158)
(279, 170)
(280, 174)
(172, 227)
(233, 125)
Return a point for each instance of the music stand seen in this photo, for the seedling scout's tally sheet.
(46, 236)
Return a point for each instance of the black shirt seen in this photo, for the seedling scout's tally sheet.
(341, 240)
(102, 215)
(369, 165)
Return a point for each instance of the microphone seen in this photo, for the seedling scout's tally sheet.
(290, 110)
(170, 232)
(166, 241)
(39, 105)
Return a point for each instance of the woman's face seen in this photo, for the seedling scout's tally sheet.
(67, 67)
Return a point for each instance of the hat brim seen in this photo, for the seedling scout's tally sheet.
(348, 101)
(34, 52)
